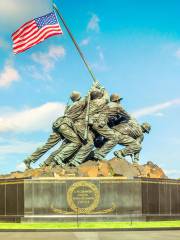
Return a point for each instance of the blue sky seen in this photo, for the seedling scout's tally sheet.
(133, 47)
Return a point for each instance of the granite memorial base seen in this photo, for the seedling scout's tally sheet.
(89, 199)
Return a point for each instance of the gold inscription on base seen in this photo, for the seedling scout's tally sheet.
(83, 197)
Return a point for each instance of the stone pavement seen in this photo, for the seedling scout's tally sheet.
(131, 235)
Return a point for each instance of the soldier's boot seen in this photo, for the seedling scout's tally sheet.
(59, 161)
(119, 154)
(135, 158)
(27, 163)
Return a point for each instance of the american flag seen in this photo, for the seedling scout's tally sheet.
(35, 31)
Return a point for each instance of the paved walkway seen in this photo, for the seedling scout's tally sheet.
(150, 235)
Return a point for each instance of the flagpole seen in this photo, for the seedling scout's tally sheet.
(74, 41)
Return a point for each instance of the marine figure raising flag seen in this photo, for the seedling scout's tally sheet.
(86, 119)
(35, 31)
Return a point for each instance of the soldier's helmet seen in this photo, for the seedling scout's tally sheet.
(115, 97)
(75, 96)
(96, 94)
(146, 127)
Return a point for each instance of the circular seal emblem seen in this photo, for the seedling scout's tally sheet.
(83, 197)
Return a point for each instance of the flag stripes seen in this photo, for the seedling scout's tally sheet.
(35, 31)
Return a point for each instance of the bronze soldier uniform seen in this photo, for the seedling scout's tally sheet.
(110, 110)
(145, 127)
(50, 160)
(68, 130)
(80, 125)
(63, 128)
(80, 128)
(84, 118)
(71, 112)
(51, 142)
(98, 122)
(87, 147)
(130, 136)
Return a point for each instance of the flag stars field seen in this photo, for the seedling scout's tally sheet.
(48, 19)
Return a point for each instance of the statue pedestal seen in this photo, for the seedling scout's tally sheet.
(89, 199)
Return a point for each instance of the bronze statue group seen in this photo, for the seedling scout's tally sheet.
(89, 129)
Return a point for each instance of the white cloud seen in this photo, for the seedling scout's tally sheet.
(33, 119)
(13, 13)
(156, 108)
(12, 147)
(8, 76)
(34, 72)
(93, 23)
(20, 167)
(172, 173)
(17, 147)
(48, 59)
(85, 42)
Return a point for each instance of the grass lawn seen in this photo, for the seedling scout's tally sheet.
(89, 225)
